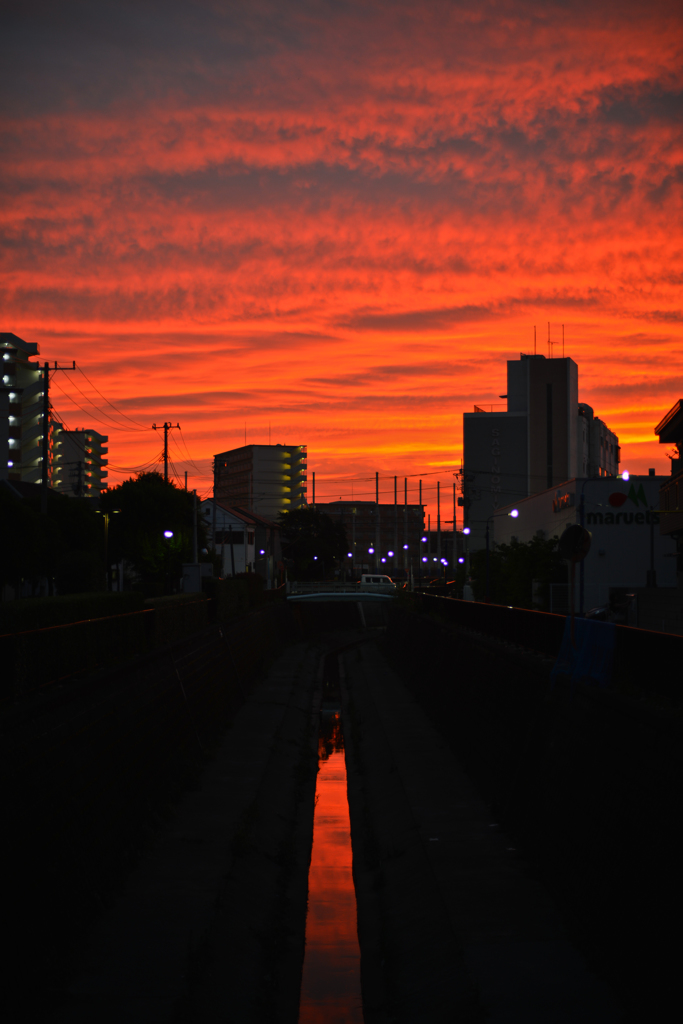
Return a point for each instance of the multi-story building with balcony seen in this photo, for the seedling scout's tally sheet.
(78, 463)
(22, 423)
(263, 478)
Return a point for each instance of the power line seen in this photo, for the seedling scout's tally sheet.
(120, 411)
(86, 411)
(192, 463)
(117, 425)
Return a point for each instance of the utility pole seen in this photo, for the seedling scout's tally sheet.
(377, 532)
(405, 522)
(195, 553)
(45, 471)
(166, 428)
(438, 520)
(395, 521)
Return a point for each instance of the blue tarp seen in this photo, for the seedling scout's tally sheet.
(589, 660)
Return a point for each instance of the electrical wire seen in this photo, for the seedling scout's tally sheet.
(117, 425)
(120, 411)
(191, 461)
(86, 411)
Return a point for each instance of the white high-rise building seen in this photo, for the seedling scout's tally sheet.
(263, 478)
(21, 411)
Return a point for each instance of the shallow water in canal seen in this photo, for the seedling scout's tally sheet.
(330, 986)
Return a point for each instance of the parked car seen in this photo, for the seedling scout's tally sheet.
(378, 584)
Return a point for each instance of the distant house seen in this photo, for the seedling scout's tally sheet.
(243, 540)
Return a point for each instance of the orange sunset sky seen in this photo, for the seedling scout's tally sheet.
(338, 220)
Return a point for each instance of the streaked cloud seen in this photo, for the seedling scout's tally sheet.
(343, 219)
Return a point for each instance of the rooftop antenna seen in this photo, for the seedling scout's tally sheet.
(550, 350)
(563, 341)
(268, 431)
(534, 339)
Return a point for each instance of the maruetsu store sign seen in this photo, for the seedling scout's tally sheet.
(623, 510)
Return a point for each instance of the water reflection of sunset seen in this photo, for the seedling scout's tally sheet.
(330, 989)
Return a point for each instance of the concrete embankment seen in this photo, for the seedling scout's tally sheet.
(583, 781)
(93, 771)
(453, 925)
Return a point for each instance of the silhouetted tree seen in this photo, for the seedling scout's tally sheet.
(514, 567)
(313, 542)
(147, 506)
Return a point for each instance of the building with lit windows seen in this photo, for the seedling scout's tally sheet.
(78, 462)
(21, 411)
(264, 478)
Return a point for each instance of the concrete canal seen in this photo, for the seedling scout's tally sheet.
(336, 863)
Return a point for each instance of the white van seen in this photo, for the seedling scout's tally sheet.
(378, 584)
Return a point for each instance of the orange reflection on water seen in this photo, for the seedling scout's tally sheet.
(330, 986)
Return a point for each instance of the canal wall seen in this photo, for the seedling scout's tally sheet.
(92, 769)
(585, 779)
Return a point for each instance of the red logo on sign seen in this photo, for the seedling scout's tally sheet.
(617, 499)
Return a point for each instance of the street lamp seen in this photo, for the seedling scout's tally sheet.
(514, 513)
(106, 536)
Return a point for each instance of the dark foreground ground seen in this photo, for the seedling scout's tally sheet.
(454, 923)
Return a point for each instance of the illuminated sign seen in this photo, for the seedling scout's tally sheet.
(563, 501)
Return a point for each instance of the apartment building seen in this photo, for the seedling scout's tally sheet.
(264, 478)
(78, 462)
(21, 411)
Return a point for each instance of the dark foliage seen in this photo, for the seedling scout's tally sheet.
(313, 542)
(513, 569)
(65, 545)
(140, 511)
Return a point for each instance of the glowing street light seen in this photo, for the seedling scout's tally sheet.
(466, 530)
(371, 551)
(168, 534)
(390, 554)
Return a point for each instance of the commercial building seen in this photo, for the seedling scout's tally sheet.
(264, 478)
(244, 541)
(78, 462)
(544, 437)
(623, 519)
(22, 413)
(396, 527)
(670, 431)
